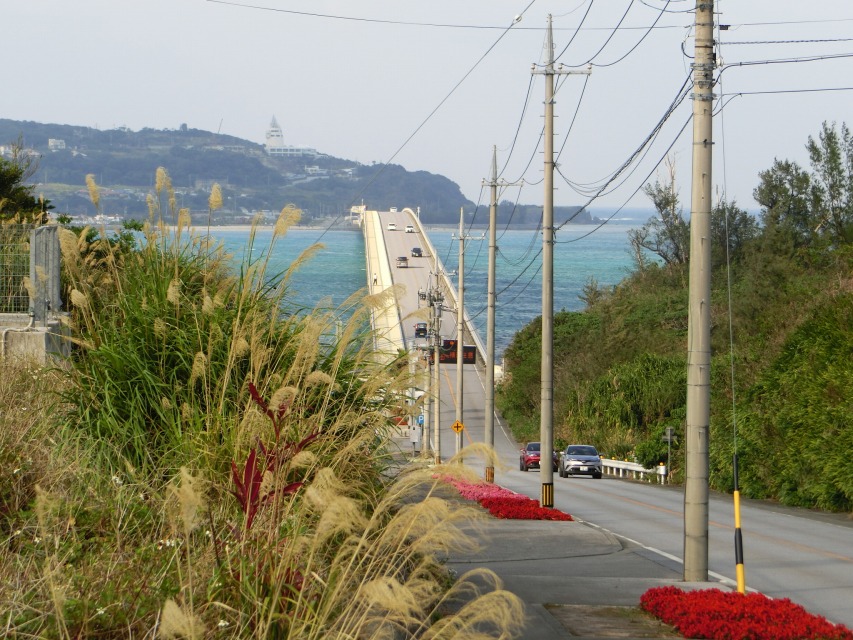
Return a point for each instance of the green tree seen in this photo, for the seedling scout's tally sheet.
(831, 157)
(667, 234)
(732, 228)
(787, 199)
(16, 198)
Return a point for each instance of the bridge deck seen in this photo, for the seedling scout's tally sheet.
(395, 327)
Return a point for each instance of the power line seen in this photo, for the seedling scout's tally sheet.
(441, 25)
(434, 111)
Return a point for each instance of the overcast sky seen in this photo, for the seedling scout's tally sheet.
(357, 80)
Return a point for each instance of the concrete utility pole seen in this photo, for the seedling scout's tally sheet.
(699, 319)
(427, 411)
(490, 317)
(546, 424)
(460, 329)
(491, 295)
(436, 300)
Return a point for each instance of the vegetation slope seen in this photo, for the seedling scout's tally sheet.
(782, 340)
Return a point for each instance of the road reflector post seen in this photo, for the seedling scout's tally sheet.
(739, 570)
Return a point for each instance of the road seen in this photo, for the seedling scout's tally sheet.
(788, 553)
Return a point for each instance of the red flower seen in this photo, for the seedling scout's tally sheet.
(728, 615)
(506, 504)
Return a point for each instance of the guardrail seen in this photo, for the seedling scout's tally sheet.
(634, 470)
(386, 323)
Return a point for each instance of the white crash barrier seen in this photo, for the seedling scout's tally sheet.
(634, 470)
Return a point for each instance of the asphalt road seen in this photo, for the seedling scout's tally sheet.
(788, 553)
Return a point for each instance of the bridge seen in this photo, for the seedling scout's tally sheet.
(393, 267)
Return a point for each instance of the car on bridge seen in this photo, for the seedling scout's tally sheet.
(392, 226)
(420, 329)
(410, 228)
(580, 460)
(417, 252)
(531, 457)
(402, 261)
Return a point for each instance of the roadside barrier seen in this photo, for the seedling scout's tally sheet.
(633, 470)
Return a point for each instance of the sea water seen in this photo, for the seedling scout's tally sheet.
(581, 253)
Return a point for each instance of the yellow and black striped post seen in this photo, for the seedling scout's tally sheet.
(547, 494)
(739, 571)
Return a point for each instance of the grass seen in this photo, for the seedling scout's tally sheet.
(213, 464)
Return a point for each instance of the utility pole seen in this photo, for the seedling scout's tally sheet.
(490, 317)
(436, 299)
(699, 316)
(491, 295)
(460, 329)
(427, 410)
(546, 423)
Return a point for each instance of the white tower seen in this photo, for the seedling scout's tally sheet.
(275, 138)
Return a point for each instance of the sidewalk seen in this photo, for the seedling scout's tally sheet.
(577, 581)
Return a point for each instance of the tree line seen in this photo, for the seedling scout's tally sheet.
(781, 312)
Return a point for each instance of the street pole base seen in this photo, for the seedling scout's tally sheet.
(490, 474)
(548, 495)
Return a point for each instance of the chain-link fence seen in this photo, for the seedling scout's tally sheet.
(14, 267)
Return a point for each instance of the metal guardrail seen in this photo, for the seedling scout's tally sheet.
(634, 470)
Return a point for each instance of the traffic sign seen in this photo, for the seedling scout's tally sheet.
(421, 419)
(457, 426)
(447, 353)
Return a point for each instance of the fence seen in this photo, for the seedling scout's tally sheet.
(30, 302)
(14, 267)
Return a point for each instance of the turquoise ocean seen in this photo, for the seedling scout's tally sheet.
(582, 252)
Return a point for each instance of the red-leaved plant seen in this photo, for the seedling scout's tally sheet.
(506, 504)
(248, 481)
(728, 615)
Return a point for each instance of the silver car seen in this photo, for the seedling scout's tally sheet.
(580, 459)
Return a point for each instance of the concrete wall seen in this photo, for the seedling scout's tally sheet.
(21, 339)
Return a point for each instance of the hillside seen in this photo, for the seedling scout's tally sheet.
(124, 162)
(621, 364)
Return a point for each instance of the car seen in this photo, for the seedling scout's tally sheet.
(393, 209)
(402, 261)
(420, 329)
(392, 226)
(417, 252)
(410, 228)
(580, 460)
(530, 457)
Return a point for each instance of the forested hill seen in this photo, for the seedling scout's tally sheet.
(621, 364)
(124, 162)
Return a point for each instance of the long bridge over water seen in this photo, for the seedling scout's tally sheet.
(390, 237)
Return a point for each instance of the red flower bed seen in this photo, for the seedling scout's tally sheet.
(506, 504)
(722, 615)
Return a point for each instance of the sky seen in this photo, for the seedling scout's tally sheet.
(435, 86)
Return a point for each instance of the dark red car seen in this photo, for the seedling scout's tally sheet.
(530, 457)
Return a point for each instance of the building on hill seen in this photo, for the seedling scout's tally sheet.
(275, 143)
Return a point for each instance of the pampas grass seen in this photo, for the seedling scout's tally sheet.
(139, 531)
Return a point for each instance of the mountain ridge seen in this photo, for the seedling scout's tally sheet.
(123, 163)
